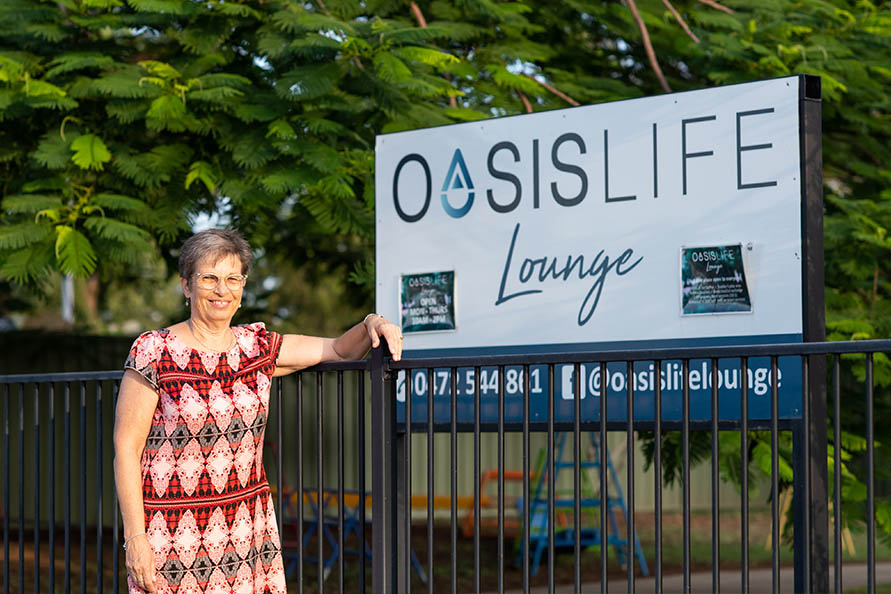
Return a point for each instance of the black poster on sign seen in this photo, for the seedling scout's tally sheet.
(428, 302)
(713, 281)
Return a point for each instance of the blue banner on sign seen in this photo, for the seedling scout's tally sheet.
(758, 378)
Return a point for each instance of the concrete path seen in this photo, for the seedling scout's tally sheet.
(760, 581)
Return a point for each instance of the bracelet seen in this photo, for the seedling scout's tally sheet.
(124, 546)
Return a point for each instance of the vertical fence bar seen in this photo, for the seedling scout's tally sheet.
(685, 465)
(629, 447)
(836, 469)
(99, 485)
(36, 487)
(806, 451)
(774, 479)
(116, 528)
(430, 485)
(83, 487)
(52, 491)
(299, 493)
(21, 488)
(476, 480)
(716, 524)
(407, 472)
(340, 503)
(279, 455)
(870, 482)
(551, 483)
(604, 482)
(657, 470)
(744, 477)
(453, 479)
(577, 478)
(67, 439)
(360, 421)
(526, 494)
(6, 498)
(320, 479)
(501, 481)
(401, 507)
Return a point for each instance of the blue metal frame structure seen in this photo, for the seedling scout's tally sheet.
(588, 536)
(351, 526)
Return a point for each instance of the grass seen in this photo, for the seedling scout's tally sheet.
(880, 589)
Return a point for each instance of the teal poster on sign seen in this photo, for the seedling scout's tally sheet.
(428, 302)
(713, 281)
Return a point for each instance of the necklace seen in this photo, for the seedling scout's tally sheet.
(195, 336)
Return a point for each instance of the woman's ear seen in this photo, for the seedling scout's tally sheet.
(185, 285)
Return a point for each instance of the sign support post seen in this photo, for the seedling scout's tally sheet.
(811, 522)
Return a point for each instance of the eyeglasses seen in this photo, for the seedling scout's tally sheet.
(209, 281)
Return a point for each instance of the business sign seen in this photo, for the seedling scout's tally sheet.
(565, 226)
(427, 302)
(713, 280)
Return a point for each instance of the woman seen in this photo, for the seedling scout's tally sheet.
(189, 425)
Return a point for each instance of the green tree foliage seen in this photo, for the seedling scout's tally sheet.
(123, 120)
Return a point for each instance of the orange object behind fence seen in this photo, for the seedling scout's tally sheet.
(487, 525)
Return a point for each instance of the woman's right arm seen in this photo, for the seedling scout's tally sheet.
(136, 404)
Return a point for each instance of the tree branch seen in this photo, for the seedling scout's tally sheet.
(418, 15)
(556, 92)
(416, 10)
(651, 54)
(525, 101)
(717, 6)
(356, 60)
(680, 20)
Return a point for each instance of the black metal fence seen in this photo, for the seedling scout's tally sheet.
(61, 529)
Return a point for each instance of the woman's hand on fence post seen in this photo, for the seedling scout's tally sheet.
(378, 327)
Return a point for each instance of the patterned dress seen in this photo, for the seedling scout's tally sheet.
(208, 508)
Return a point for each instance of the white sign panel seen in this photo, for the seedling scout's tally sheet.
(565, 226)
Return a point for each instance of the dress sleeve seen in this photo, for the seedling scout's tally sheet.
(269, 342)
(144, 356)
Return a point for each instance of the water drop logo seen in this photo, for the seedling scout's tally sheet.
(457, 179)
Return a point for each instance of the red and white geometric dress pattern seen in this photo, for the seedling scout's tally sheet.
(208, 508)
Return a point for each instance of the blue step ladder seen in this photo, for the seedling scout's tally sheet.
(590, 498)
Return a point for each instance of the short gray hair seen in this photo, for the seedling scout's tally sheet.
(213, 244)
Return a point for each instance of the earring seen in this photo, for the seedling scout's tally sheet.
(239, 306)
(188, 302)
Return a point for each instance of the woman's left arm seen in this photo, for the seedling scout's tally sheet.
(298, 352)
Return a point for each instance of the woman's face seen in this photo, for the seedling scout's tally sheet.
(216, 305)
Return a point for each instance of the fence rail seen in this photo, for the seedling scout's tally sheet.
(57, 484)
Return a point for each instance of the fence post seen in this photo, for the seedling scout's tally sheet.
(811, 482)
(384, 561)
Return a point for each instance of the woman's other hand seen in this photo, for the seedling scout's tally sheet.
(379, 326)
(140, 563)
